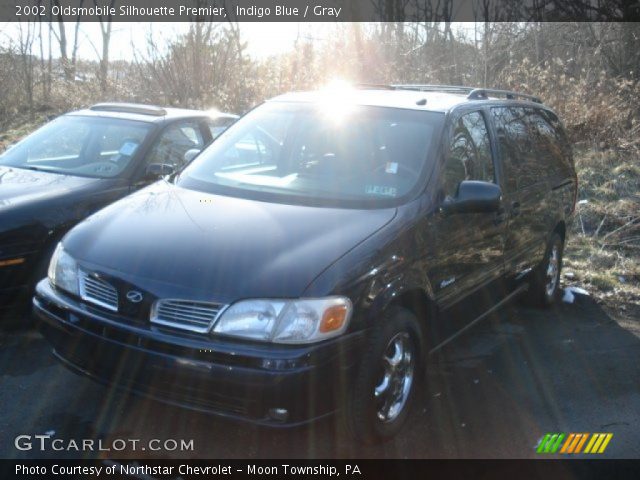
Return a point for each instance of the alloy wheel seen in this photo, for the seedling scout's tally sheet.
(396, 378)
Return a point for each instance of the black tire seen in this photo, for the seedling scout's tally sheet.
(362, 415)
(545, 281)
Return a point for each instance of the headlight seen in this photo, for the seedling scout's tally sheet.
(63, 271)
(291, 321)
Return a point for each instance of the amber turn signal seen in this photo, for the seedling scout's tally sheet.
(333, 318)
(12, 261)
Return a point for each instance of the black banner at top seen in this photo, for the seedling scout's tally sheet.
(320, 10)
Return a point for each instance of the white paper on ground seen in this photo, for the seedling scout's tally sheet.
(570, 294)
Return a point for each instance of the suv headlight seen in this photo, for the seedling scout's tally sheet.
(63, 271)
(286, 321)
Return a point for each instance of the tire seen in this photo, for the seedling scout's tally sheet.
(386, 383)
(545, 282)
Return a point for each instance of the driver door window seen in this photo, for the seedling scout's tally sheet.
(469, 153)
(174, 142)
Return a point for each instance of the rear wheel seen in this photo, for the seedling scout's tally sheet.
(385, 388)
(545, 284)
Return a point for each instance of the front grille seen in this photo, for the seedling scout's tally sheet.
(186, 315)
(97, 291)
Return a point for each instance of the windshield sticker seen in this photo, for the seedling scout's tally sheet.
(128, 148)
(381, 190)
(392, 167)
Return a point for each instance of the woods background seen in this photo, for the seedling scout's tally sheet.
(589, 73)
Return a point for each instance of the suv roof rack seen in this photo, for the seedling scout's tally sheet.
(374, 86)
(483, 94)
(432, 88)
(473, 93)
(129, 108)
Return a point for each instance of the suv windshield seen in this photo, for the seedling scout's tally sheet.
(77, 145)
(300, 152)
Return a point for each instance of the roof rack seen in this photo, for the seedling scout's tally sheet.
(433, 88)
(473, 93)
(129, 108)
(376, 86)
(483, 94)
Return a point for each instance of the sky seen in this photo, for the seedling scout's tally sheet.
(263, 39)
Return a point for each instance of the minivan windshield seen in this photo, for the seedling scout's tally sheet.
(312, 153)
(79, 145)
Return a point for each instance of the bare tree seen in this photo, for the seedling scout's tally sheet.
(105, 29)
(68, 65)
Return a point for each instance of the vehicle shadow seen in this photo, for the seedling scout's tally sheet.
(492, 393)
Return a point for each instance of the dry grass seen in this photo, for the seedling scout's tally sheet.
(603, 252)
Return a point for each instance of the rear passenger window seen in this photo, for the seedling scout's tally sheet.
(545, 143)
(565, 161)
(516, 146)
(469, 153)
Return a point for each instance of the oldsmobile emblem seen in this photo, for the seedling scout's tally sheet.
(134, 296)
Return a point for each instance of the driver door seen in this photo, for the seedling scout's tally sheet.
(468, 246)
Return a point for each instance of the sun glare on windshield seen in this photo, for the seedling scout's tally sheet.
(336, 101)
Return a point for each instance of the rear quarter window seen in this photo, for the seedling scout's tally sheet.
(565, 158)
(548, 143)
(532, 144)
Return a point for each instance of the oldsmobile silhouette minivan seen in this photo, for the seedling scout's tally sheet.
(310, 259)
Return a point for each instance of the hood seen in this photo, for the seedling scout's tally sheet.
(19, 186)
(183, 243)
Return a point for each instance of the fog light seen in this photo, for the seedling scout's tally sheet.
(279, 414)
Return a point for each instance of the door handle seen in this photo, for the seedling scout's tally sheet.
(515, 209)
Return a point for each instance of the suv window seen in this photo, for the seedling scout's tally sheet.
(546, 146)
(174, 142)
(255, 148)
(319, 153)
(469, 153)
(562, 148)
(516, 146)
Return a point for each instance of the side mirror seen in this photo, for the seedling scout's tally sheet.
(474, 197)
(158, 170)
(190, 155)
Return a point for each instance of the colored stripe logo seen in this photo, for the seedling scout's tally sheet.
(573, 443)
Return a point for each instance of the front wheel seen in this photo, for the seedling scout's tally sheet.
(545, 284)
(384, 390)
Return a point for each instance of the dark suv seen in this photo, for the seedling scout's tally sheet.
(311, 257)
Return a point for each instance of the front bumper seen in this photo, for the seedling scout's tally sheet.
(243, 380)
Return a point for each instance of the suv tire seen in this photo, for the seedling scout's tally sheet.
(386, 385)
(545, 282)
